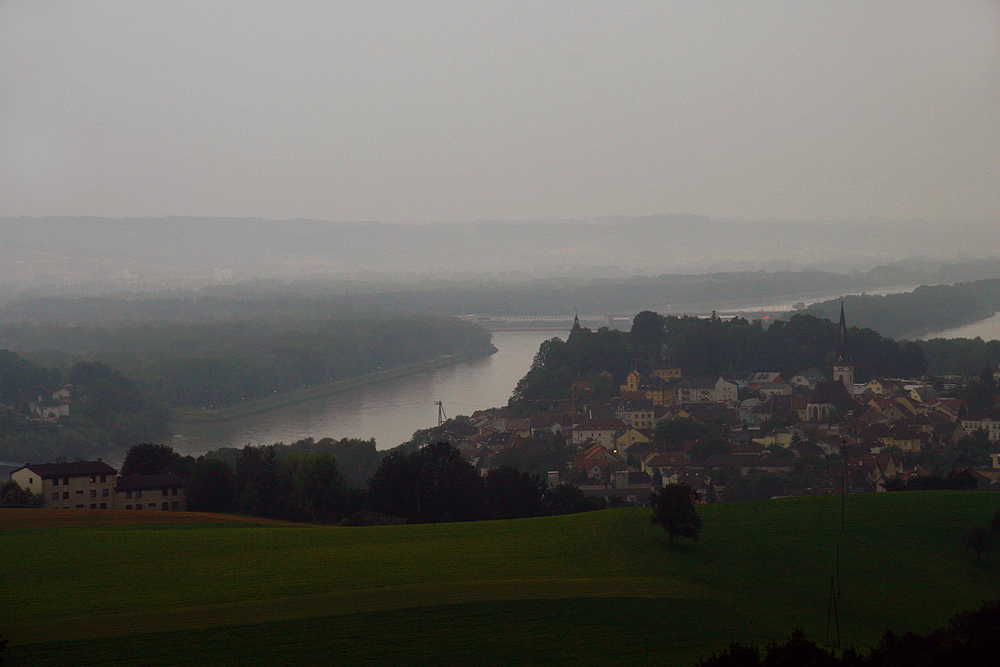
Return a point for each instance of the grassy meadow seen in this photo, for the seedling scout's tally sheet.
(602, 588)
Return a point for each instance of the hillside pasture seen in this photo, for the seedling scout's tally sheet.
(598, 588)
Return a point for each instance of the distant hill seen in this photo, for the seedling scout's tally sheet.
(587, 589)
(150, 253)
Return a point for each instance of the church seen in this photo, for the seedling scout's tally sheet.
(837, 394)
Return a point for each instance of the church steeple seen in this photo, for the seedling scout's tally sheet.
(576, 322)
(843, 369)
(842, 343)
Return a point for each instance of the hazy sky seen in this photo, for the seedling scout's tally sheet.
(447, 111)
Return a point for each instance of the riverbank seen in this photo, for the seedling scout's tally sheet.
(304, 394)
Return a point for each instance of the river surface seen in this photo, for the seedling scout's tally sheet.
(388, 411)
(988, 329)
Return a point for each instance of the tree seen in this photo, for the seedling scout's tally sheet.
(148, 458)
(567, 499)
(211, 486)
(995, 523)
(12, 495)
(978, 540)
(673, 508)
(433, 484)
(512, 494)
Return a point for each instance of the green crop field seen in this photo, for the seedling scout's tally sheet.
(602, 588)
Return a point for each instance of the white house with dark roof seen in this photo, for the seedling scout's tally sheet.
(76, 485)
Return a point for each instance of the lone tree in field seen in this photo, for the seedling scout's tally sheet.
(979, 541)
(673, 508)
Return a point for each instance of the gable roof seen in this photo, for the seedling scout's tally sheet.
(73, 469)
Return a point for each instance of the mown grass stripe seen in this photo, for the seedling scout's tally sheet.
(339, 603)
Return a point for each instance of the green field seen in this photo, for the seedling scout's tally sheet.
(602, 588)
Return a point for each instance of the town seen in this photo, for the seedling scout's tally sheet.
(757, 435)
(618, 436)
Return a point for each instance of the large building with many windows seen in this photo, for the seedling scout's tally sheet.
(77, 485)
(96, 485)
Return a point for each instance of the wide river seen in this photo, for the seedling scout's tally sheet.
(389, 411)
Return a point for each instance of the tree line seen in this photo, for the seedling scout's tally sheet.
(971, 639)
(429, 485)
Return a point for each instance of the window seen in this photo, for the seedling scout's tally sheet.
(104, 506)
(79, 507)
(65, 481)
(165, 505)
(65, 495)
(55, 496)
(93, 493)
(174, 491)
(166, 492)
(55, 481)
(128, 494)
(139, 506)
(93, 478)
(173, 505)
(138, 494)
(128, 507)
(31, 480)
(79, 492)
(93, 506)
(152, 506)
(104, 493)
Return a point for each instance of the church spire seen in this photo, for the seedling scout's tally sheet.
(842, 343)
(576, 322)
(843, 369)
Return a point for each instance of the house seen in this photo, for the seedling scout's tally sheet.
(807, 379)
(151, 492)
(631, 382)
(991, 426)
(637, 413)
(601, 431)
(76, 485)
(693, 390)
(624, 440)
(666, 373)
(757, 379)
(881, 387)
(657, 464)
(769, 389)
(625, 479)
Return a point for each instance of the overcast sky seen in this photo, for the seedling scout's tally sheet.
(432, 110)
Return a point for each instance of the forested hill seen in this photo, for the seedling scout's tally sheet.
(927, 308)
(105, 411)
(326, 298)
(214, 364)
(704, 347)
